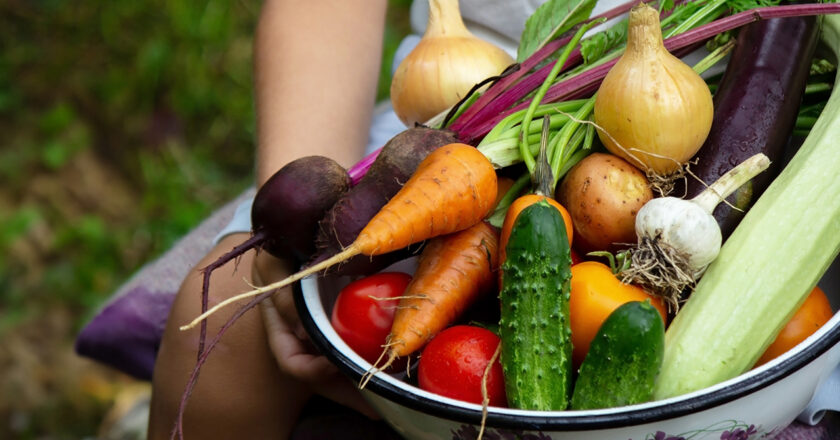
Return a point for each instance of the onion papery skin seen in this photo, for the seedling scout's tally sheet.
(439, 72)
(652, 109)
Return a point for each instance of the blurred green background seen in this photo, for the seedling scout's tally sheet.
(123, 125)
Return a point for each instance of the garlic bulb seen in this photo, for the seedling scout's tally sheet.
(683, 225)
(446, 63)
(678, 239)
(653, 110)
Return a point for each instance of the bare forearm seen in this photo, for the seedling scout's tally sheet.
(241, 393)
(316, 70)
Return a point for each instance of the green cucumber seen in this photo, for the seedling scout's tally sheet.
(536, 351)
(767, 267)
(623, 360)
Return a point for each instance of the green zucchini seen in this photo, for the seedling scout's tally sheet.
(623, 360)
(536, 351)
(766, 268)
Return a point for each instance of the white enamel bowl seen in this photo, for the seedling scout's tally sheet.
(761, 401)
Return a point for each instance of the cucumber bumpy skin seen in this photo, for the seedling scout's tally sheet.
(536, 351)
(624, 359)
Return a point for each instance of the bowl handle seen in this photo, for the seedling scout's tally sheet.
(826, 398)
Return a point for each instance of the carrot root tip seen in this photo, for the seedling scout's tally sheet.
(392, 356)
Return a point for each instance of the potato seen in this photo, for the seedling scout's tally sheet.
(603, 193)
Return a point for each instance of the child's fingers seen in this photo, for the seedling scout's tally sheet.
(267, 268)
(289, 344)
(293, 355)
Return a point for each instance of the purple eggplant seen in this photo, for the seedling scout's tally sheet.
(755, 108)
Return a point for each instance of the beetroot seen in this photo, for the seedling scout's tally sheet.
(284, 215)
(289, 205)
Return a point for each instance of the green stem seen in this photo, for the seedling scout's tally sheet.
(557, 120)
(575, 142)
(817, 88)
(503, 153)
(497, 218)
(729, 182)
(535, 101)
(576, 157)
(563, 147)
(714, 57)
(709, 11)
(805, 122)
(510, 123)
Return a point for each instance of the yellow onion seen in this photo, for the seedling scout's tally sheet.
(653, 110)
(446, 63)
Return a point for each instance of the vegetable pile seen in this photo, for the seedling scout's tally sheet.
(601, 275)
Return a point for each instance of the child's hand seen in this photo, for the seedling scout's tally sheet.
(291, 346)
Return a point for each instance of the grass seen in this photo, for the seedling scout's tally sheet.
(123, 124)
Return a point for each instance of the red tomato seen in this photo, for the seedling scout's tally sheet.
(576, 258)
(362, 321)
(453, 364)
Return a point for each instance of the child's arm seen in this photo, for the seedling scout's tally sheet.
(316, 69)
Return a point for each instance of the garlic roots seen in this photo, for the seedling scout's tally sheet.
(446, 63)
(652, 109)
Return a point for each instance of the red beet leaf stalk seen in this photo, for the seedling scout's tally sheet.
(486, 102)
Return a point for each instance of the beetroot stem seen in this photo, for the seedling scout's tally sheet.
(532, 61)
(255, 240)
(178, 429)
(490, 95)
(513, 94)
(742, 18)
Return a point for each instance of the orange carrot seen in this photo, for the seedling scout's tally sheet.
(452, 189)
(453, 271)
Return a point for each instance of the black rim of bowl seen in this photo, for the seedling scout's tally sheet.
(572, 421)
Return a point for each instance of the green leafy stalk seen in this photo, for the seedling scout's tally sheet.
(683, 17)
(537, 98)
(599, 44)
(714, 57)
(560, 150)
(508, 127)
(497, 218)
(543, 26)
(706, 13)
(501, 145)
